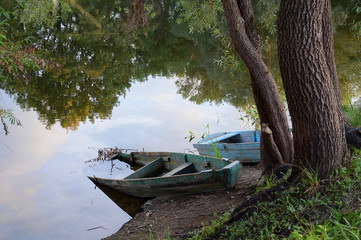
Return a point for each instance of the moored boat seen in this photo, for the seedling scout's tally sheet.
(243, 146)
(173, 174)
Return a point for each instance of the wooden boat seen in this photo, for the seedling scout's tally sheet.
(173, 174)
(243, 146)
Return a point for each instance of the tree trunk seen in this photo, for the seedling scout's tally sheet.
(310, 80)
(239, 15)
(330, 56)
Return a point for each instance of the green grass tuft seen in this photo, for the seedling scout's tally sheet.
(353, 114)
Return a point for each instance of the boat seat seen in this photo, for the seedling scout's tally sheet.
(148, 170)
(184, 168)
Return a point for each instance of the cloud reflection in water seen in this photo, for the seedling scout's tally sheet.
(45, 192)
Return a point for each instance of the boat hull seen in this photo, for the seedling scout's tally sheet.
(245, 153)
(211, 174)
(243, 146)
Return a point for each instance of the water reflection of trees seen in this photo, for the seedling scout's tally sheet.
(348, 63)
(99, 65)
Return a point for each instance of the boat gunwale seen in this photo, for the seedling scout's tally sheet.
(217, 138)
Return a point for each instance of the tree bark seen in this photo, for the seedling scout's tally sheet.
(330, 56)
(353, 135)
(239, 15)
(310, 80)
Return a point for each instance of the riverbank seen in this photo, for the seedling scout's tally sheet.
(177, 217)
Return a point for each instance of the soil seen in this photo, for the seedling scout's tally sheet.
(180, 216)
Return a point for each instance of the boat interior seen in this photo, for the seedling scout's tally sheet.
(177, 164)
(237, 137)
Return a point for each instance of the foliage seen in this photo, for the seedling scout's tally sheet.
(197, 14)
(207, 17)
(6, 115)
(18, 59)
(333, 212)
(251, 113)
(99, 64)
(182, 39)
(267, 183)
(151, 237)
(267, 12)
(43, 13)
(207, 133)
(353, 114)
(191, 136)
(356, 23)
(251, 116)
(210, 228)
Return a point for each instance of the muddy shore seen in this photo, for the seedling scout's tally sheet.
(179, 216)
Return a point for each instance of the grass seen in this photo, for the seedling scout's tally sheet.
(210, 228)
(311, 209)
(353, 114)
(151, 237)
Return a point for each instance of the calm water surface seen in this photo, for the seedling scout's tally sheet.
(45, 193)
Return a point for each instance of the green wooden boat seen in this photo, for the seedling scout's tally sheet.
(173, 174)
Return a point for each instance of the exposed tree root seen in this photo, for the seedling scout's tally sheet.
(353, 137)
(264, 195)
(242, 211)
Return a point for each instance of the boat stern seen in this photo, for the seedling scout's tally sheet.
(232, 173)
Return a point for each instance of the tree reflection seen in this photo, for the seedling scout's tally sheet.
(99, 64)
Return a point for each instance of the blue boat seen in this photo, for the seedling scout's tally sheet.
(243, 146)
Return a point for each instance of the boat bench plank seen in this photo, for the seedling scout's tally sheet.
(180, 170)
(147, 169)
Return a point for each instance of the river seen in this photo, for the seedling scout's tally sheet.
(45, 190)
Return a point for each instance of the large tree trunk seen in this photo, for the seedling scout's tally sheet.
(310, 80)
(330, 56)
(239, 15)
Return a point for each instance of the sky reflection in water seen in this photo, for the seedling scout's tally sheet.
(45, 193)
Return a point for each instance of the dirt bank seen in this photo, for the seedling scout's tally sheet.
(179, 216)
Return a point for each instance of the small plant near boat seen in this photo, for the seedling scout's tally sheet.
(214, 145)
(309, 231)
(191, 136)
(268, 182)
(215, 148)
(210, 228)
(310, 180)
(151, 237)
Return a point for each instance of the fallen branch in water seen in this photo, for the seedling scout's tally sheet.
(105, 154)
